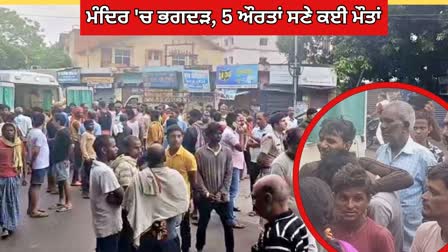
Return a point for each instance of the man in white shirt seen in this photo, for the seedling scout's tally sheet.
(39, 160)
(433, 235)
(23, 122)
(292, 122)
(261, 130)
(106, 196)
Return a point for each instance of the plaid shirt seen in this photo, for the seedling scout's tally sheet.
(415, 159)
(437, 152)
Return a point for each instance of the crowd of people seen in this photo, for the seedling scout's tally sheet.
(396, 202)
(150, 172)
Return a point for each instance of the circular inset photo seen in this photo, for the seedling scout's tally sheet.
(372, 174)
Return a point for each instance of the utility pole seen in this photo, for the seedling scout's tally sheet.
(296, 75)
(294, 70)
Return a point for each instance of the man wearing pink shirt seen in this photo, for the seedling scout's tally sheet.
(231, 140)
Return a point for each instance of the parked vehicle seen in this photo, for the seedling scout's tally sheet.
(79, 95)
(28, 89)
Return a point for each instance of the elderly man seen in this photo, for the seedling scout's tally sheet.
(23, 122)
(284, 230)
(397, 121)
(155, 200)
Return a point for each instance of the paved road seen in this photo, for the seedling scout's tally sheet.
(72, 231)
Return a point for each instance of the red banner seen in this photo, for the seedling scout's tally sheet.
(262, 17)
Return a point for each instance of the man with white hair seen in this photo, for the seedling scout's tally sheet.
(399, 150)
(23, 122)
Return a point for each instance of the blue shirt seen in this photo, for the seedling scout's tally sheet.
(182, 125)
(416, 160)
(96, 129)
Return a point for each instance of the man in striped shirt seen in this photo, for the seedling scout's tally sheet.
(284, 231)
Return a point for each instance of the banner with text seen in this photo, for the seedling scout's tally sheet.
(262, 17)
(196, 81)
(237, 76)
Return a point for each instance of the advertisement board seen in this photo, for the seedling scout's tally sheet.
(196, 81)
(237, 76)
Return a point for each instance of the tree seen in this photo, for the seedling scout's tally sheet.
(22, 45)
(52, 57)
(415, 51)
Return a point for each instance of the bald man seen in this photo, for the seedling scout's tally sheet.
(284, 230)
(155, 201)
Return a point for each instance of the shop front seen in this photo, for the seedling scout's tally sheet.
(101, 81)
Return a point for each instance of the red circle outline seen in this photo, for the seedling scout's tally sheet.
(319, 115)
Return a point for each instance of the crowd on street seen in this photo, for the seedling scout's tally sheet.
(152, 172)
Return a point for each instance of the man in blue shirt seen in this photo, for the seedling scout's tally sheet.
(91, 115)
(397, 121)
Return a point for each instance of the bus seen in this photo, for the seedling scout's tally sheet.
(28, 89)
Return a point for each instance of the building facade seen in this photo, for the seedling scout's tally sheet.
(140, 51)
(249, 49)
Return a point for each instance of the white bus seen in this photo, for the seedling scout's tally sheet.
(28, 89)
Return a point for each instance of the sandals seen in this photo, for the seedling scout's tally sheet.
(39, 215)
(64, 209)
(56, 207)
(39, 210)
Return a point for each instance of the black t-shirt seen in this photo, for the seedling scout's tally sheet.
(62, 145)
(190, 139)
(105, 120)
(51, 130)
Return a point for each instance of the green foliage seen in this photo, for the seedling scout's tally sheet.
(415, 51)
(22, 45)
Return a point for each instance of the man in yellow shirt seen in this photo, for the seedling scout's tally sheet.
(178, 158)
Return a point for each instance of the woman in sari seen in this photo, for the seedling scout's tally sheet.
(12, 163)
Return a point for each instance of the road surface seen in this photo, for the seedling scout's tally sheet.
(72, 231)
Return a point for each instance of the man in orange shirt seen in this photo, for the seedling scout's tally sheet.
(155, 130)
